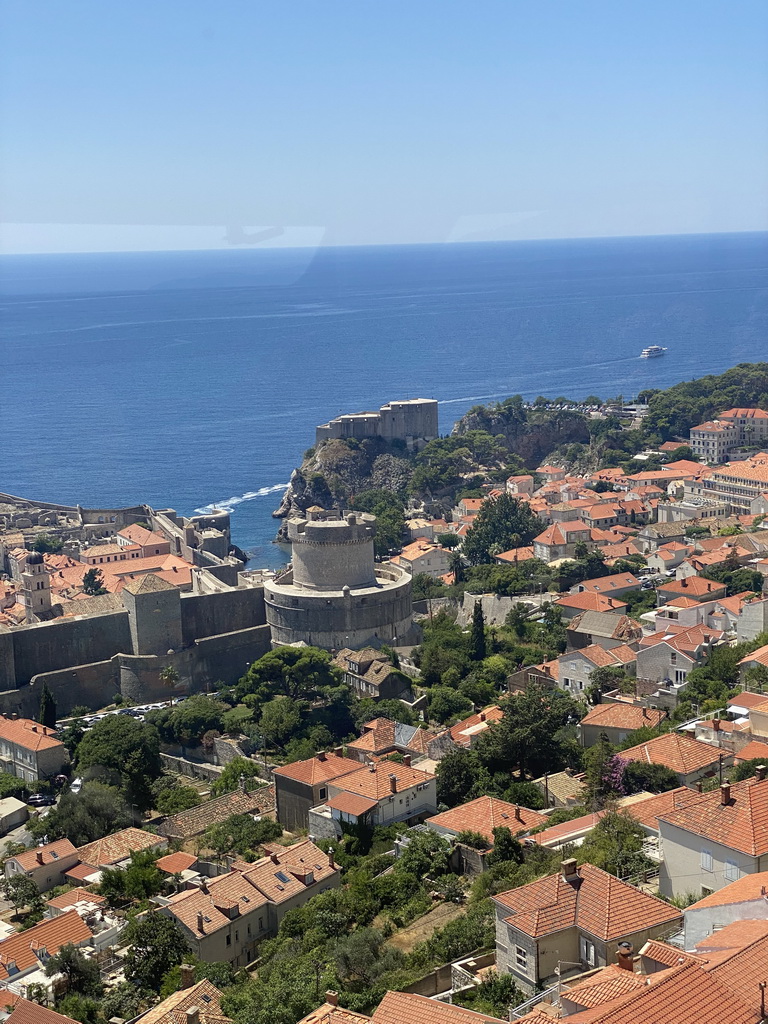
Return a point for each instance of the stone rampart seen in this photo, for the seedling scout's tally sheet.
(49, 646)
(205, 615)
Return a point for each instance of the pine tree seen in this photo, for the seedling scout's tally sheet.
(477, 639)
(47, 714)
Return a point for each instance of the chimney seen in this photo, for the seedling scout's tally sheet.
(339, 751)
(684, 582)
(482, 716)
(187, 976)
(407, 760)
(321, 756)
(699, 786)
(39, 856)
(274, 858)
(570, 870)
(725, 794)
(332, 998)
(624, 956)
(200, 922)
(242, 784)
(193, 1015)
(645, 712)
(517, 812)
(393, 783)
(331, 861)
(716, 724)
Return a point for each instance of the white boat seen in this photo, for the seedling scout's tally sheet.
(652, 351)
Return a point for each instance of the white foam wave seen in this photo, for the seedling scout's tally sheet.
(227, 504)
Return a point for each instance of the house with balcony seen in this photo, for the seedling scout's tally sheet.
(688, 758)
(380, 793)
(668, 657)
(305, 784)
(30, 751)
(716, 839)
(574, 917)
(45, 865)
(225, 917)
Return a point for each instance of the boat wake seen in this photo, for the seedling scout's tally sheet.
(227, 504)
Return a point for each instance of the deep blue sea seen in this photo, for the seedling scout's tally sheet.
(196, 378)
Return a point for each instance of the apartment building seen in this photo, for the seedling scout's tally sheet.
(30, 751)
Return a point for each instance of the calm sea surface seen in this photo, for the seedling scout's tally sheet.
(192, 379)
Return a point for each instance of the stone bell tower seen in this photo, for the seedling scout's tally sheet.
(36, 584)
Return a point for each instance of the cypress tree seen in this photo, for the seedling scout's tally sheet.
(47, 715)
(477, 637)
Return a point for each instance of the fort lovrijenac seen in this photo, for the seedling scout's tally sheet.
(176, 596)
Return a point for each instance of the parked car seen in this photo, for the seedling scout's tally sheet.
(77, 785)
(41, 800)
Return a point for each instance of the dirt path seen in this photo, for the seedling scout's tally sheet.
(422, 929)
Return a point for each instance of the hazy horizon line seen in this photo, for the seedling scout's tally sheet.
(243, 247)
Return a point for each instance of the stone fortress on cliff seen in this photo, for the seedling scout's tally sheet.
(334, 594)
(413, 420)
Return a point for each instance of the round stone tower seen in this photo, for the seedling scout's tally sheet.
(334, 594)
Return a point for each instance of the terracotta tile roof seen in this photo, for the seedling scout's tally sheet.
(374, 781)
(752, 470)
(692, 586)
(752, 751)
(598, 655)
(140, 535)
(117, 846)
(283, 879)
(746, 699)
(328, 1013)
(173, 1010)
(685, 995)
(759, 657)
(558, 533)
(175, 863)
(602, 987)
(28, 734)
(351, 803)
(607, 584)
(663, 953)
(600, 904)
(624, 654)
(522, 554)
(683, 602)
(646, 812)
(50, 935)
(80, 872)
(741, 824)
(487, 813)
(623, 716)
(743, 967)
(408, 1008)
(321, 768)
(675, 751)
(750, 887)
(196, 820)
(685, 641)
(556, 835)
(25, 1012)
(744, 413)
(50, 853)
(463, 732)
(77, 895)
(592, 602)
(203, 913)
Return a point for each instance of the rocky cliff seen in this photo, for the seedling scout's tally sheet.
(530, 433)
(334, 471)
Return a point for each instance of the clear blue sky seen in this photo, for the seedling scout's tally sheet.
(354, 122)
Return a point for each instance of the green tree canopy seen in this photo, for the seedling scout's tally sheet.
(47, 713)
(83, 817)
(156, 944)
(301, 673)
(229, 780)
(460, 777)
(124, 752)
(82, 973)
(496, 524)
(22, 891)
(93, 583)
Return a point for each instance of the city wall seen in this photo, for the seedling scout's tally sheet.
(211, 614)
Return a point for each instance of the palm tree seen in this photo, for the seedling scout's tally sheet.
(169, 677)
